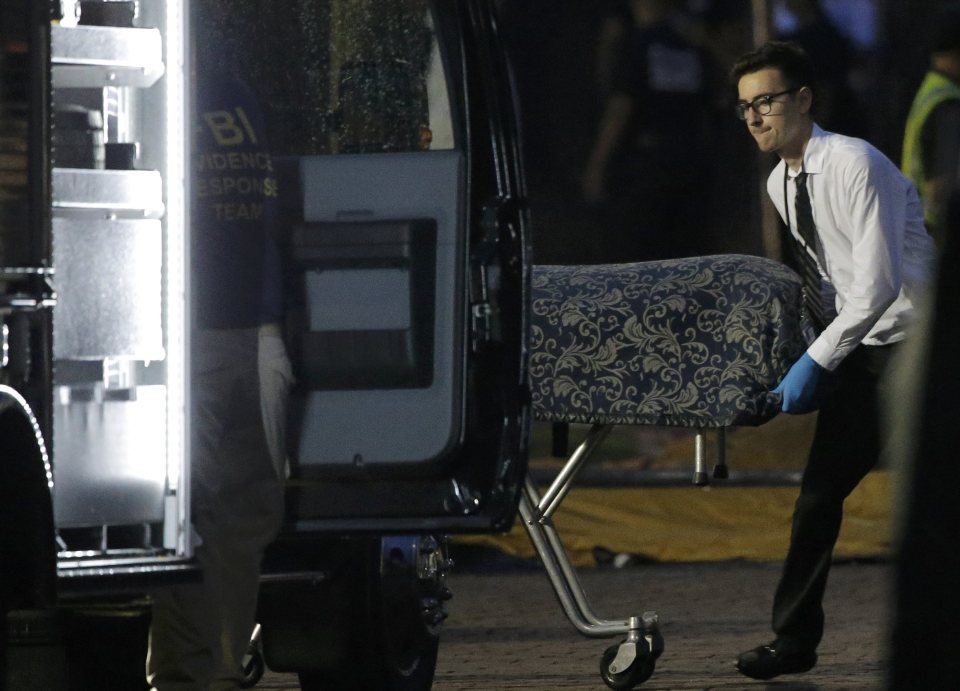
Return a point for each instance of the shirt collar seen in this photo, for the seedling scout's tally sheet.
(813, 154)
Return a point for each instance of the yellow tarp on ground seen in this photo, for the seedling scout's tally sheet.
(701, 524)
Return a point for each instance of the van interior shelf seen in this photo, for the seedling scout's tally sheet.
(96, 56)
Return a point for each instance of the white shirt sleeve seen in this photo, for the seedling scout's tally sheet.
(874, 214)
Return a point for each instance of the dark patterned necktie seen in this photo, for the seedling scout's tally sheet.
(812, 302)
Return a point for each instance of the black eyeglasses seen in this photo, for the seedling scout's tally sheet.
(761, 105)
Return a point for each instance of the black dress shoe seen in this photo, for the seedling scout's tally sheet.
(769, 661)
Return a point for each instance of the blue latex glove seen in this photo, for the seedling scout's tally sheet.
(799, 387)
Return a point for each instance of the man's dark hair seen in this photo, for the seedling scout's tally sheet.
(789, 58)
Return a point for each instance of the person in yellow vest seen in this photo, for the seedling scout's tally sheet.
(931, 142)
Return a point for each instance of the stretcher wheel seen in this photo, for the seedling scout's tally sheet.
(635, 674)
(253, 668)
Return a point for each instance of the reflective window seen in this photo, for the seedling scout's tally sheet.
(338, 76)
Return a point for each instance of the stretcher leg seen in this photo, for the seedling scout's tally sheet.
(562, 576)
(700, 476)
(622, 666)
(632, 661)
(544, 508)
(720, 469)
(536, 513)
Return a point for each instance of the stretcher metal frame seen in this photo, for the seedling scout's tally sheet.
(632, 661)
(537, 510)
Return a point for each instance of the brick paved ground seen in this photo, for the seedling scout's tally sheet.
(506, 631)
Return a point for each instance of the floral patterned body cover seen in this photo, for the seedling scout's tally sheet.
(695, 342)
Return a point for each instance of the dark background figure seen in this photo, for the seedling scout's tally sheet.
(923, 638)
(650, 164)
(832, 55)
(901, 61)
(723, 28)
(566, 54)
(931, 143)
(550, 44)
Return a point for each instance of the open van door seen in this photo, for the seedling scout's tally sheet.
(403, 216)
(403, 201)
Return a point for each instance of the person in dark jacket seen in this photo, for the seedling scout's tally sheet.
(647, 163)
(240, 378)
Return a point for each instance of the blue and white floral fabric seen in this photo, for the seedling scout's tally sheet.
(696, 342)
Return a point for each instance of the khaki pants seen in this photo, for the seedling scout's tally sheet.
(200, 632)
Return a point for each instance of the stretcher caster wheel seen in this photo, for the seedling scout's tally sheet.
(253, 671)
(253, 663)
(619, 675)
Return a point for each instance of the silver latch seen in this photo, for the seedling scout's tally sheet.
(4, 345)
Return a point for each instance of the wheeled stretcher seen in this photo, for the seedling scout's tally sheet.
(696, 342)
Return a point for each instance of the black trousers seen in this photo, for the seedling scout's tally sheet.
(846, 446)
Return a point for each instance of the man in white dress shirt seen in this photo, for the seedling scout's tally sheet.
(874, 260)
